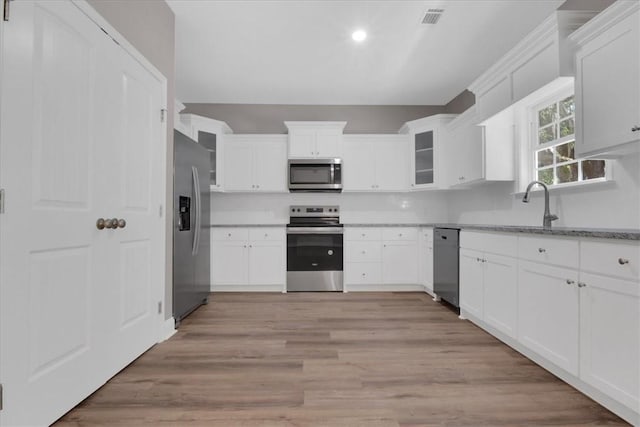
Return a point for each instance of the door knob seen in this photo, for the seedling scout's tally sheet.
(100, 223)
(121, 223)
(623, 261)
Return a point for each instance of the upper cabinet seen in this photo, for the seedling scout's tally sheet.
(488, 150)
(209, 133)
(315, 139)
(428, 151)
(541, 57)
(256, 163)
(375, 162)
(607, 96)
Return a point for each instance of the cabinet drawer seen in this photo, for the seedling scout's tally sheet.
(611, 259)
(496, 243)
(362, 233)
(400, 233)
(363, 252)
(549, 250)
(231, 234)
(427, 234)
(266, 234)
(363, 273)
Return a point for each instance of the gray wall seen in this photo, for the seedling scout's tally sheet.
(253, 118)
(149, 25)
(461, 103)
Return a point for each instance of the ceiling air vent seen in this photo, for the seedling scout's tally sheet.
(432, 16)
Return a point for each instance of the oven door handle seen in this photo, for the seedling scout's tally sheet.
(315, 230)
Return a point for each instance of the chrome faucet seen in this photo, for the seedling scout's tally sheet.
(548, 216)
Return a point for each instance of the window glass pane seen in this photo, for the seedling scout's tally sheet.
(567, 127)
(424, 160)
(567, 173)
(566, 152)
(567, 107)
(547, 115)
(546, 176)
(547, 134)
(592, 169)
(545, 157)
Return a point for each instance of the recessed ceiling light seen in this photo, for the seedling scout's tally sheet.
(359, 35)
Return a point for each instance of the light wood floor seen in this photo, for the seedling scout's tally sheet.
(313, 359)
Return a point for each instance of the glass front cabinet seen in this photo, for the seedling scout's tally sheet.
(428, 151)
(209, 133)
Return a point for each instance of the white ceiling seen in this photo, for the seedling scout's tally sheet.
(301, 52)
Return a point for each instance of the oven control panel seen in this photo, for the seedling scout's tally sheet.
(314, 211)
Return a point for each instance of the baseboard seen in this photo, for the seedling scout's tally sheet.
(383, 288)
(167, 329)
(429, 291)
(247, 288)
(611, 404)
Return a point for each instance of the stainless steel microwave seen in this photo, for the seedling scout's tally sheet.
(315, 175)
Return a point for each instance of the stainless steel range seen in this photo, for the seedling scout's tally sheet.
(314, 249)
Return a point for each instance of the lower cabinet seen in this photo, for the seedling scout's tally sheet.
(548, 313)
(425, 258)
(610, 336)
(381, 258)
(573, 304)
(471, 282)
(248, 259)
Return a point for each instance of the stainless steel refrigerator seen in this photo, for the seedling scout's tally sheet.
(191, 243)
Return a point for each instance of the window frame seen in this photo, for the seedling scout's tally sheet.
(532, 145)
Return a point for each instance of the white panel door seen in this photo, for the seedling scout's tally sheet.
(328, 143)
(425, 258)
(270, 164)
(267, 263)
(500, 293)
(52, 271)
(392, 163)
(132, 194)
(472, 282)
(548, 313)
(238, 173)
(399, 263)
(230, 263)
(359, 171)
(607, 101)
(302, 143)
(610, 337)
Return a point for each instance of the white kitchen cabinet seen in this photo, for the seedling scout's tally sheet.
(500, 277)
(610, 336)
(381, 258)
(375, 162)
(607, 82)
(256, 163)
(399, 262)
(610, 318)
(425, 258)
(209, 133)
(248, 259)
(541, 57)
(548, 313)
(267, 263)
(428, 151)
(229, 262)
(471, 282)
(315, 139)
(488, 149)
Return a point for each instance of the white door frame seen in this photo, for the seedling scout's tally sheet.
(165, 327)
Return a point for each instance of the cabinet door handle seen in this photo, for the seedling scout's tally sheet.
(570, 282)
(542, 250)
(635, 128)
(364, 252)
(478, 259)
(582, 284)
(623, 261)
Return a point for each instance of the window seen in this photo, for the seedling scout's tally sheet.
(554, 156)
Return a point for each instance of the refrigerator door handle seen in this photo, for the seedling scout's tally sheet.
(196, 190)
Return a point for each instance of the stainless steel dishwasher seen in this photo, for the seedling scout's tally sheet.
(446, 264)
